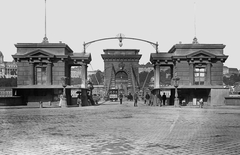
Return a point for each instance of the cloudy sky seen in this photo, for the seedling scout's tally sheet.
(164, 21)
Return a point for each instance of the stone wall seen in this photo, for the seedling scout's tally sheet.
(183, 73)
(217, 73)
(58, 71)
(23, 73)
(11, 101)
(232, 101)
(218, 96)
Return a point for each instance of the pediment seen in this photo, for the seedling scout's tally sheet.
(201, 54)
(40, 54)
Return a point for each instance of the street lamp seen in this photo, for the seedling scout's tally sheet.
(64, 100)
(176, 84)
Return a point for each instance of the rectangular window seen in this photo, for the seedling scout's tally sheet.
(199, 75)
(41, 75)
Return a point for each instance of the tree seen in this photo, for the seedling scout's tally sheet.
(232, 79)
(8, 82)
(97, 78)
(145, 77)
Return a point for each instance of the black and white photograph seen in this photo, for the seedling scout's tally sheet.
(129, 77)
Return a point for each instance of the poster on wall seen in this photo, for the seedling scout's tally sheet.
(167, 93)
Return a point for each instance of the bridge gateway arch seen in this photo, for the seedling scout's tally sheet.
(121, 65)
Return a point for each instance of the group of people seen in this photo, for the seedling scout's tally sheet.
(130, 97)
(149, 99)
(155, 99)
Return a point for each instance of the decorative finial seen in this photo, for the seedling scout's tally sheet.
(45, 39)
(195, 41)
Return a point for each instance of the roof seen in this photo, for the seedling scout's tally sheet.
(43, 45)
(37, 86)
(193, 87)
(196, 46)
(47, 87)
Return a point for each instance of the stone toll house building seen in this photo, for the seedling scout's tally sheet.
(200, 69)
(43, 68)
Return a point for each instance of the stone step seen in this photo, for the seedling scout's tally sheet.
(45, 104)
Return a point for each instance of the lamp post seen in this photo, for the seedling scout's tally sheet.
(176, 84)
(64, 100)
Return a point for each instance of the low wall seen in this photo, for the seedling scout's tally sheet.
(218, 96)
(11, 101)
(233, 101)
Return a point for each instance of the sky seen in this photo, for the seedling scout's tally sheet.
(167, 22)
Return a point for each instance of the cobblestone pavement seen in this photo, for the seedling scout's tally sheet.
(117, 129)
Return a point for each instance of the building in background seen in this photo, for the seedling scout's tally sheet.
(7, 69)
(145, 67)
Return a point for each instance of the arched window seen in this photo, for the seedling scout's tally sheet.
(121, 75)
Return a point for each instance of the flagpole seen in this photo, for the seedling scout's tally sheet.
(45, 39)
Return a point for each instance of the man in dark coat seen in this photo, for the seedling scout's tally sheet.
(120, 98)
(147, 97)
(135, 99)
(164, 98)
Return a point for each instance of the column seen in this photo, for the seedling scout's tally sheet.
(49, 73)
(191, 73)
(208, 76)
(84, 75)
(31, 73)
(157, 76)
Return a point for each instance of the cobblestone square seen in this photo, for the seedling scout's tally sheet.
(114, 129)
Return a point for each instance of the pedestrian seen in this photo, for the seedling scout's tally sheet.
(155, 100)
(120, 98)
(130, 97)
(164, 97)
(159, 100)
(151, 99)
(60, 100)
(79, 100)
(135, 99)
(201, 103)
(147, 97)
(40, 104)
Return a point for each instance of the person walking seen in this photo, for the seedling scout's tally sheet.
(155, 99)
(60, 100)
(130, 97)
(79, 101)
(147, 97)
(164, 97)
(159, 100)
(201, 103)
(135, 99)
(151, 99)
(120, 98)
